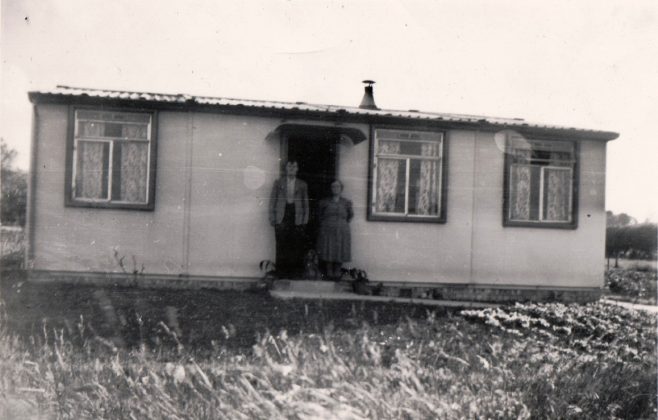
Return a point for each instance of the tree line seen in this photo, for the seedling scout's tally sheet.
(627, 238)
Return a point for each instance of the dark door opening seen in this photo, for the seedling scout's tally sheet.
(315, 152)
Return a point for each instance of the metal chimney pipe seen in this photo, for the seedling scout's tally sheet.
(368, 101)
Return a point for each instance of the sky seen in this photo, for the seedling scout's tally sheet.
(588, 64)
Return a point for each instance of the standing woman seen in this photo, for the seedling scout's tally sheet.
(334, 241)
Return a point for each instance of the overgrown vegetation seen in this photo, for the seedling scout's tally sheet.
(14, 188)
(82, 352)
(12, 244)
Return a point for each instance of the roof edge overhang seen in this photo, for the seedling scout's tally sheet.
(189, 103)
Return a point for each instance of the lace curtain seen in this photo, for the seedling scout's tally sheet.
(134, 131)
(130, 171)
(90, 129)
(556, 194)
(133, 169)
(426, 199)
(540, 180)
(115, 143)
(387, 177)
(90, 180)
(392, 181)
(520, 176)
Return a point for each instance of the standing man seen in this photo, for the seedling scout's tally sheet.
(288, 213)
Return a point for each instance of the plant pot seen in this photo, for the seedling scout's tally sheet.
(361, 288)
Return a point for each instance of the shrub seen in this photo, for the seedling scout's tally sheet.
(13, 202)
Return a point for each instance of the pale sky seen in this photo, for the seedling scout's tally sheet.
(589, 64)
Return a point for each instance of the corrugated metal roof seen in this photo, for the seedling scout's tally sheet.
(66, 91)
(113, 94)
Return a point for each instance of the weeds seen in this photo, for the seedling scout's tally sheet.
(135, 272)
(526, 361)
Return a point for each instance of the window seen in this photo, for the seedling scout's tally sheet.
(540, 183)
(406, 179)
(112, 163)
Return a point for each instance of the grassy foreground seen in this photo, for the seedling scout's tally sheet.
(524, 361)
(74, 352)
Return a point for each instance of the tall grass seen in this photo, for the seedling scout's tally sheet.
(531, 361)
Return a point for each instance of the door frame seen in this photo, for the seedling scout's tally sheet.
(318, 131)
(329, 139)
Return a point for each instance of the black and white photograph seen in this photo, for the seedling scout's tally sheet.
(328, 209)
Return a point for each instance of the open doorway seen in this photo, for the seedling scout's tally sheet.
(315, 152)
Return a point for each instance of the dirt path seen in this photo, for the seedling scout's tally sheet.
(648, 308)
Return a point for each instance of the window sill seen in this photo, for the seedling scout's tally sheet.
(542, 225)
(405, 219)
(109, 205)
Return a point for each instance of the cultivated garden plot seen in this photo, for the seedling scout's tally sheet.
(83, 352)
(635, 285)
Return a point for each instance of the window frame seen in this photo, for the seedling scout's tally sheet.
(71, 156)
(575, 168)
(441, 187)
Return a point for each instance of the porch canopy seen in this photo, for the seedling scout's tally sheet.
(355, 135)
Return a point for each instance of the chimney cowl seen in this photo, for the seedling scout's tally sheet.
(368, 101)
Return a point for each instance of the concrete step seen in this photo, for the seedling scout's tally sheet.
(311, 286)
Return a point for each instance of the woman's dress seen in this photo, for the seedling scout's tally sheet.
(334, 242)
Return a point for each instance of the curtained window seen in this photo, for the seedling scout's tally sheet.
(406, 176)
(111, 162)
(540, 182)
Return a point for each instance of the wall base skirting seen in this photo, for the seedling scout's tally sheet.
(416, 291)
(494, 293)
(145, 281)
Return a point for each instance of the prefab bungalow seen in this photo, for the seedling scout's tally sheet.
(174, 189)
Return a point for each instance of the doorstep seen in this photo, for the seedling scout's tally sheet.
(311, 286)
